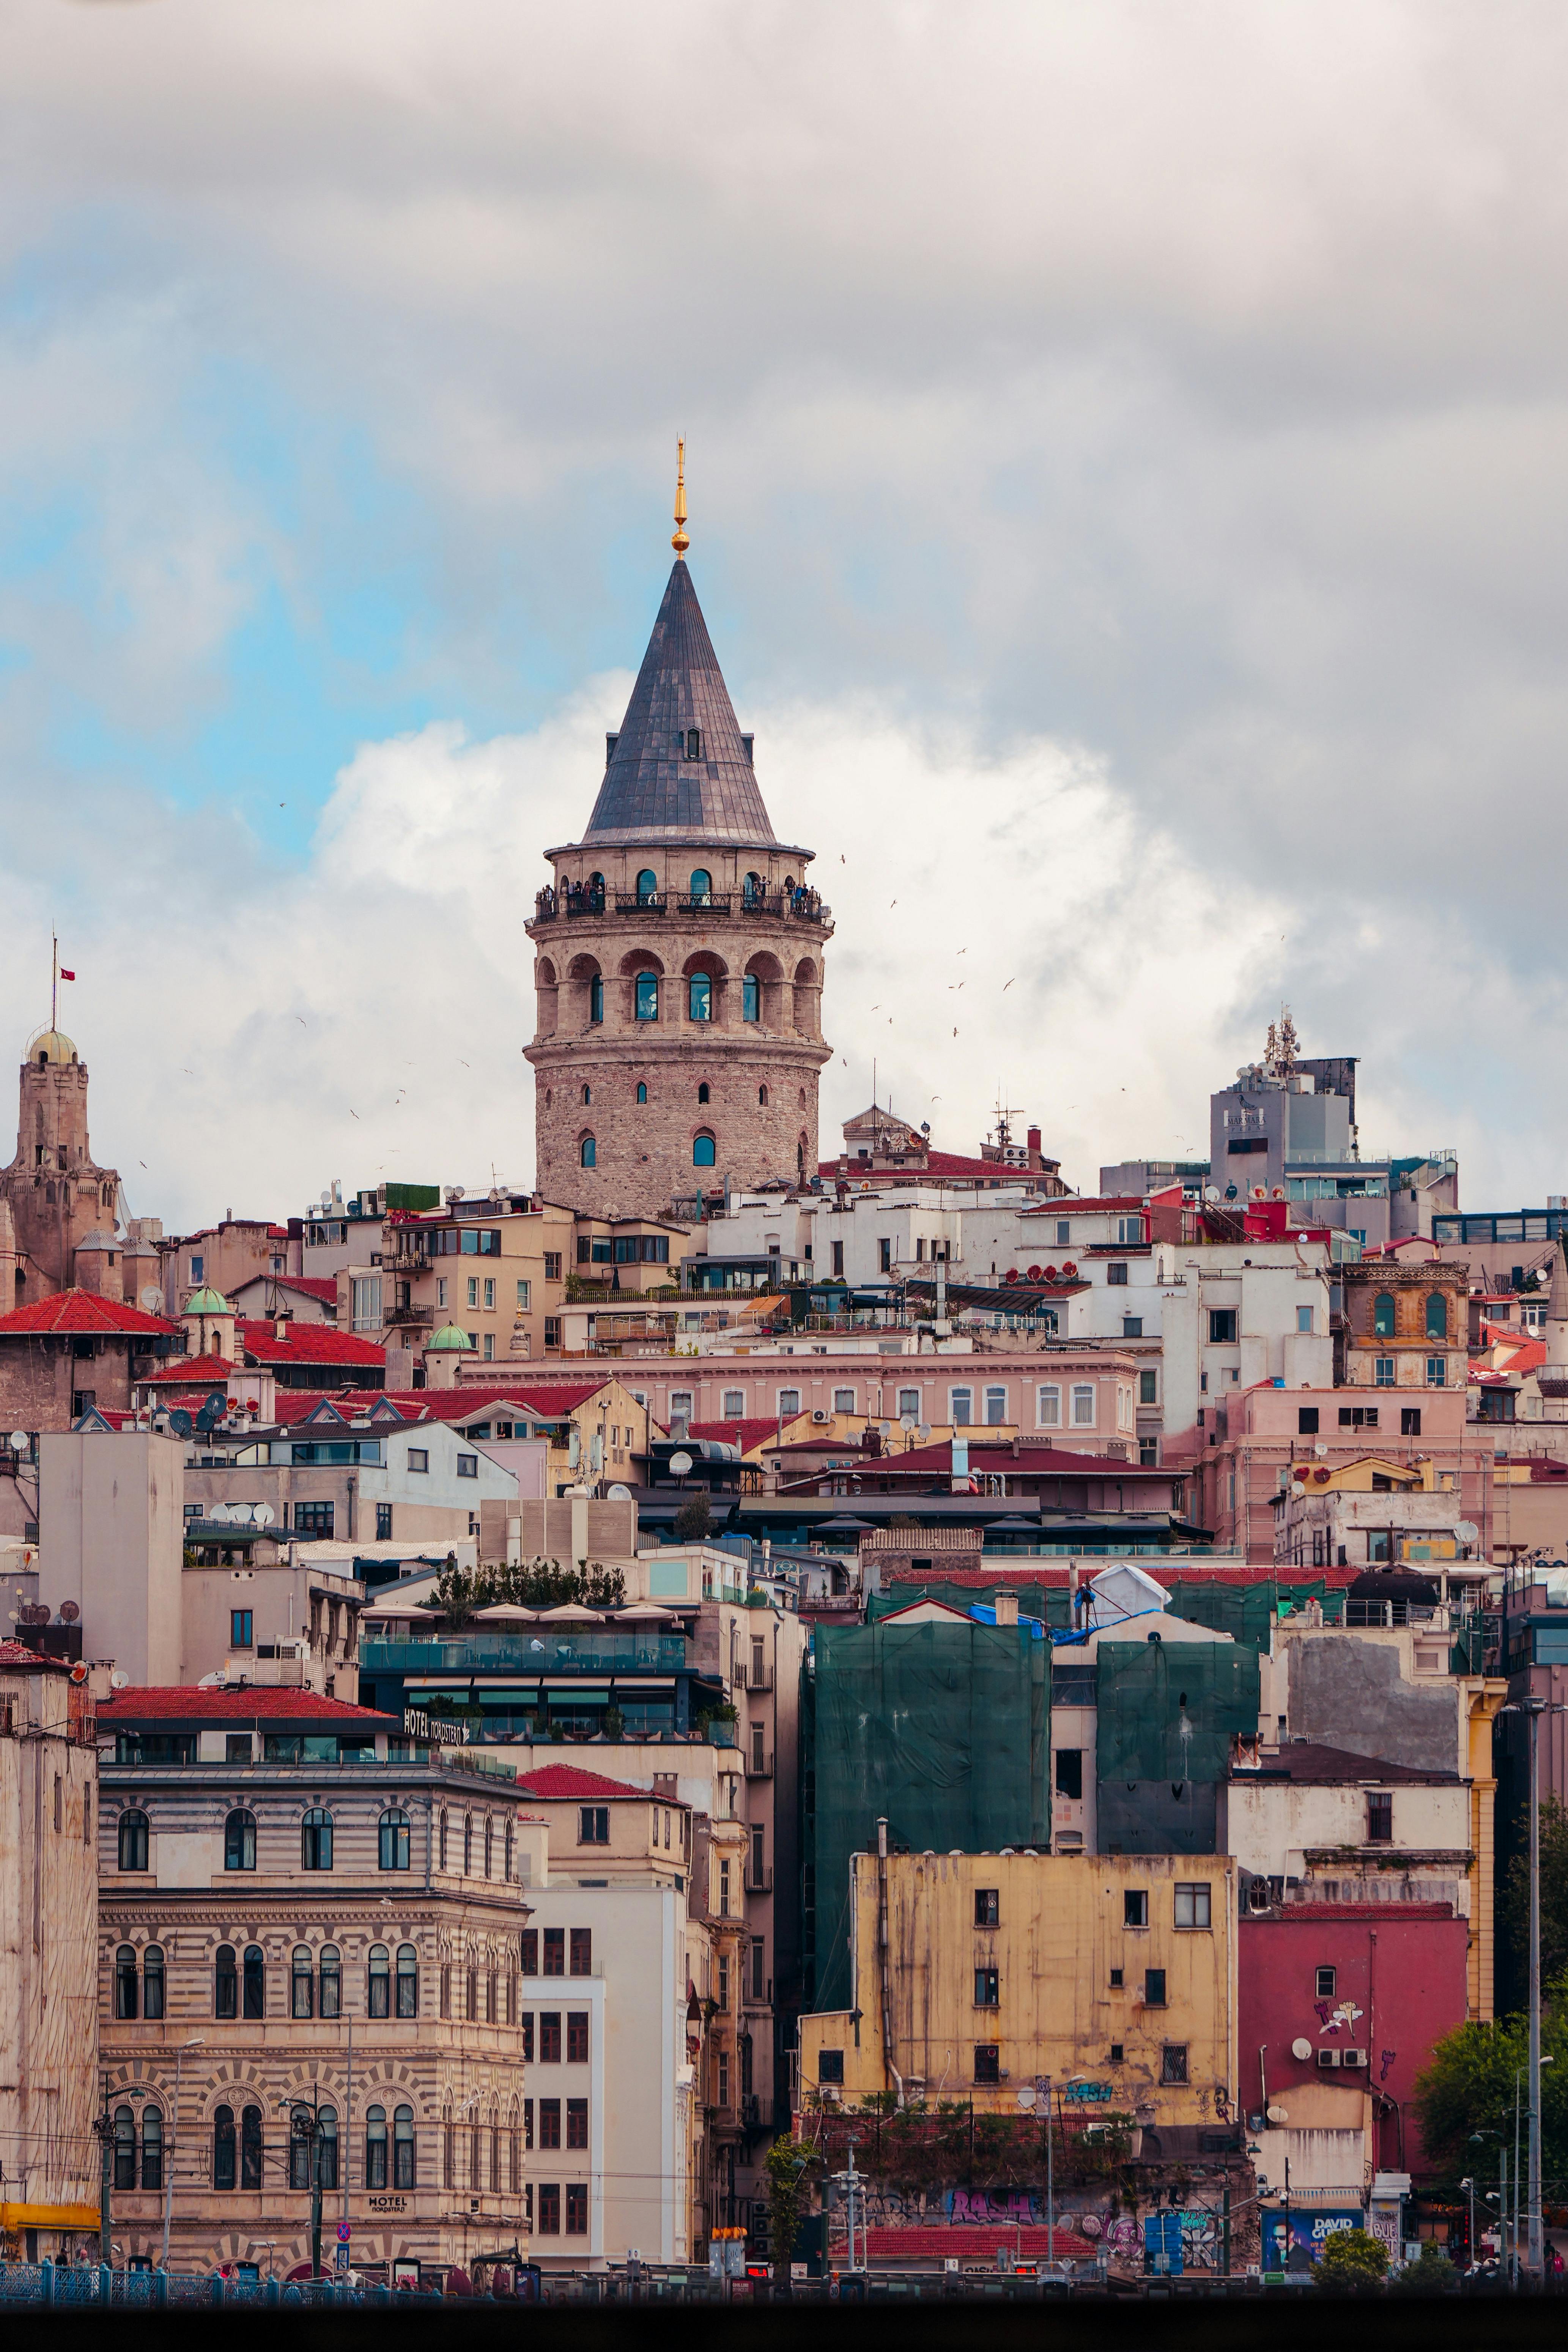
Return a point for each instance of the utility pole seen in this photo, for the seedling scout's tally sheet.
(105, 2130)
(1532, 1709)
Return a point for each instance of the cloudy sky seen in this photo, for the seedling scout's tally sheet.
(1127, 480)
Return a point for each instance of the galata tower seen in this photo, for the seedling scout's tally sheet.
(679, 956)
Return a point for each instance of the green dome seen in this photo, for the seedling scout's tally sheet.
(207, 1301)
(448, 1336)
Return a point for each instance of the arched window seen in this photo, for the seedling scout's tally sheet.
(588, 1152)
(239, 1840)
(224, 2152)
(443, 1839)
(301, 2133)
(490, 1843)
(332, 1981)
(407, 1981)
(468, 1845)
(762, 1097)
(596, 997)
(394, 1841)
(378, 2004)
(1437, 1315)
(403, 2147)
(301, 2001)
(124, 2149)
(375, 2148)
(642, 1090)
(250, 2148)
(152, 1980)
(701, 883)
(152, 2145)
(699, 997)
(133, 1841)
(704, 1151)
(495, 2155)
(752, 890)
(255, 1981)
(1382, 1315)
(316, 1840)
(645, 996)
(327, 2147)
(694, 743)
(597, 893)
(751, 998)
(125, 2003)
(226, 1987)
(587, 1094)
(476, 2157)
(514, 2152)
(448, 2150)
(648, 885)
(509, 1841)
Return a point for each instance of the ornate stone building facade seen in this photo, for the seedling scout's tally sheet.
(680, 958)
(58, 1206)
(304, 1920)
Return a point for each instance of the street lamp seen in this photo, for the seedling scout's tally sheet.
(305, 2131)
(197, 2042)
(1532, 1709)
(1487, 2133)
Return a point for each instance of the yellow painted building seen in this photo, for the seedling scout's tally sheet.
(976, 1975)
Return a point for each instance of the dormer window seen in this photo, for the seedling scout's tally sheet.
(694, 743)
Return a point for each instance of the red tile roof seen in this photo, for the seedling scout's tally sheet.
(18, 1653)
(190, 1370)
(307, 1343)
(254, 1702)
(458, 1404)
(562, 1780)
(80, 1312)
(1036, 1461)
(319, 1286)
(743, 1433)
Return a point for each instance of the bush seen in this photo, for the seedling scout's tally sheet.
(1352, 2262)
(1433, 2273)
(694, 1520)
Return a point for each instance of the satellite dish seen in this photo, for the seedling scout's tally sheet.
(216, 1515)
(180, 1421)
(69, 1611)
(1301, 2047)
(1278, 2115)
(1025, 2097)
(620, 1494)
(152, 1299)
(680, 1463)
(242, 1514)
(1466, 1529)
(262, 1513)
(119, 1678)
(212, 1412)
(19, 1441)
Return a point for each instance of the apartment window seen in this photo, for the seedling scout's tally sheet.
(197, 1273)
(734, 1405)
(302, 1983)
(830, 2065)
(1049, 1408)
(440, 1290)
(961, 1403)
(843, 1400)
(1326, 1981)
(1382, 1315)
(468, 1845)
(239, 1635)
(1383, 1371)
(576, 2037)
(365, 1303)
(254, 1985)
(555, 1951)
(1306, 1421)
(576, 2208)
(552, 1265)
(987, 2061)
(384, 1523)
(1083, 1407)
(724, 1983)
(1303, 1319)
(1222, 1327)
(151, 2146)
(550, 2123)
(1116, 2053)
(1410, 1420)
(1149, 1388)
(987, 1987)
(375, 2148)
(576, 2123)
(314, 1520)
(759, 1968)
(316, 1840)
(1064, 1233)
(133, 1842)
(468, 1465)
(909, 1404)
(1116, 1273)
(239, 1840)
(224, 2148)
(884, 1254)
(789, 1403)
(1069, 1773)
(378, 1982)
(528, 1946)
(549, 2037)
(1193, 1905)
(1436, 1371)
(226, 1985)
(987, 1907)
(681, 1410)
(995, 1408)
(593, 1825)
(1173, 2063)
(1135, 1908)
(473, 1291)
(1359, 1416)
(1117, 1979)
(1380, 1817)
(724, 1871)
(837, 1261)
(582, 1951)
(331, 1979)
(1133, 1327)
(395, 1831)
(1154, 1988)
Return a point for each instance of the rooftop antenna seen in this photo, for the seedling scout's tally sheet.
(678, 539)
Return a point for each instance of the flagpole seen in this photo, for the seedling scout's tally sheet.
(54, 981)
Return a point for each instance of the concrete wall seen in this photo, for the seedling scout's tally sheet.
(112, 1539)
(1356, 1691)
(1270, 1826)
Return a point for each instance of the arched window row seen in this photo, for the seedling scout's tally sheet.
(313, 2154)
(151, 2137)
(139, 1986)
(315, 1982)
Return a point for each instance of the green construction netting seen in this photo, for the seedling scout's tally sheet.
(1167, 1709)
(1242, 1611)
(945, 1729)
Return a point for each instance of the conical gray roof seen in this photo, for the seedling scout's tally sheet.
(652, 790)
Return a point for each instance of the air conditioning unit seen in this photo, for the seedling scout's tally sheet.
(820, 1415)
(1328, 2060)
(1353, 2058)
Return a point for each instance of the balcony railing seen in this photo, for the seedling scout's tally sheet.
(706, 902)
(544, 1652)
(772, 906)
(758, 1767)
(760, 1882)
(632, 902)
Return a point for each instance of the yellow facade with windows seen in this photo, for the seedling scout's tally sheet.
(977, 1975)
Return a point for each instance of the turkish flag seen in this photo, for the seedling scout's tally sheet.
(65, 974)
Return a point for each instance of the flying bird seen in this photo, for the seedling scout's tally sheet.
(353, 1114)
(1007, 984)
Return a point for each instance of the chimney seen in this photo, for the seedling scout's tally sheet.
(1033, 1140)
(1007, 1608)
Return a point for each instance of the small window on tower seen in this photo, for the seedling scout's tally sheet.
(704, 1093)
(762, 1097)
(694, 743)
(642, 1091)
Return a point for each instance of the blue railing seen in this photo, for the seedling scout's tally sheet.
(521, 1652)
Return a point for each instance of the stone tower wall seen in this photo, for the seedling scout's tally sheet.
(55, 1191)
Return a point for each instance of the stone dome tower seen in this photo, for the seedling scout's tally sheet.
(58, 1196)
(679, 957)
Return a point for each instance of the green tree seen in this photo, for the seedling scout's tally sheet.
(789, 2165)
(1468, 2085)
(1431, 2274)
(1514, 1907)
(694, 1520)
(1352, 2262)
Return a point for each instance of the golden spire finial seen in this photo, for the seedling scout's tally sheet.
(678, 539)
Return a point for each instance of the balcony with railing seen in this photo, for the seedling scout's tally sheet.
(804, 906)
(542, 1653)
(759, 1764)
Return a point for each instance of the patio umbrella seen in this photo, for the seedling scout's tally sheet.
(572, 1612)
(843, 1525)
(505, 1612)
(1012, 1525)
(643, 1609)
